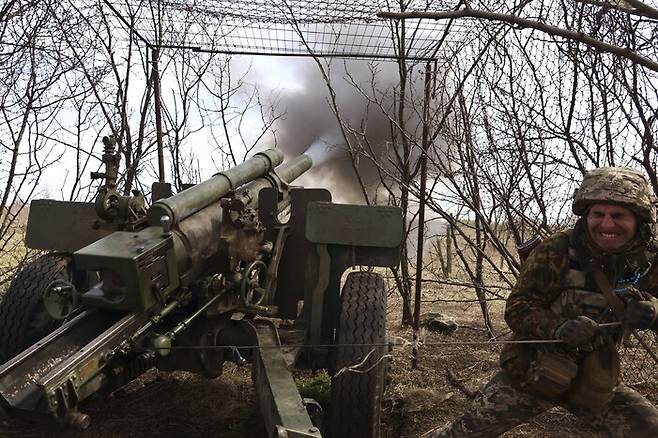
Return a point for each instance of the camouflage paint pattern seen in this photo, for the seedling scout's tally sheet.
(540, 282)
(555, 285)
(619, 185)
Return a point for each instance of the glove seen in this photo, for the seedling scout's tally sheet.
(577, 332)
(640, 314)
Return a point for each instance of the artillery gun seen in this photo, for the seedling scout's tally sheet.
(215, 268)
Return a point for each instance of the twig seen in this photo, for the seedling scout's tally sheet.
(454, 381)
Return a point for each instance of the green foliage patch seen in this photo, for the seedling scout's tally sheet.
(316, 386)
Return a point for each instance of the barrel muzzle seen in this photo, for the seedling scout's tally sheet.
(293, 169)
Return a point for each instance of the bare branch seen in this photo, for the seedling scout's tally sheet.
(526, 23)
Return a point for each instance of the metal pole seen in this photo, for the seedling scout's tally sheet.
(421, 212)
(158, 112)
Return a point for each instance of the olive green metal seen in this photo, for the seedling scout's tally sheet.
(161, 344)
(68, 226)
(60, 299)
(111, 161)
(354, 225)
(160, 190)
(281, 405)
(110, 204)
(212, 252)
(195, 239)
(292, 169)
(144, 267)
(50, 224)
(188, 202)
(21, 378)
(138, 269)
(155, 319)
(279, 179)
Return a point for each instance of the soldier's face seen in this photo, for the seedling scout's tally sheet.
(611, 226)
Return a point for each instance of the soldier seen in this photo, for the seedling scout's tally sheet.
(575, 287)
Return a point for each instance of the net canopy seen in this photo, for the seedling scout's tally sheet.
(324, 28)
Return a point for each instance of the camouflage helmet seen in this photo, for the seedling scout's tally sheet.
(617, 185)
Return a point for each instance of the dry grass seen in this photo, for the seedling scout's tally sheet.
(472, 365)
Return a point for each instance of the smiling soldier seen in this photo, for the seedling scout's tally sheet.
(576, 287)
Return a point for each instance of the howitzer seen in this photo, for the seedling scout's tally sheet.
(209, 275)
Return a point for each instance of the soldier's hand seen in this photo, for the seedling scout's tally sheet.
(578, 332)
(640, 314)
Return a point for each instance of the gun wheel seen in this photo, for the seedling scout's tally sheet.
(23, 317)
(359, 368)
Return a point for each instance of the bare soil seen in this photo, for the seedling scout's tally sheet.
(160, 404)
(449, 375)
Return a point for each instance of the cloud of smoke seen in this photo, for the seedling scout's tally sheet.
(310, 126)
(322, 153)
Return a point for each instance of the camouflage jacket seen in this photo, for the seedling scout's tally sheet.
(554, 286)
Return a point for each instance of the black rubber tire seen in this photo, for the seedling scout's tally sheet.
(356, 397)
(23, 317)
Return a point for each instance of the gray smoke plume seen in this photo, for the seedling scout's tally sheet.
(309, 126)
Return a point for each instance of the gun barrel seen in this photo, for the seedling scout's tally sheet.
(292, 169)
(282, 176)
(188, 202)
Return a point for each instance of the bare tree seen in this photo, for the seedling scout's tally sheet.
(33, 73)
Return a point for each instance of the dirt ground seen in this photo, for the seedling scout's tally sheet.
(182, 404)
(449, 374)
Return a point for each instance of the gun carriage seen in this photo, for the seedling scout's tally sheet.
(124, 288)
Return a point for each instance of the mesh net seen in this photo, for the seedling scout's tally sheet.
(296, 27)
(639, 368)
